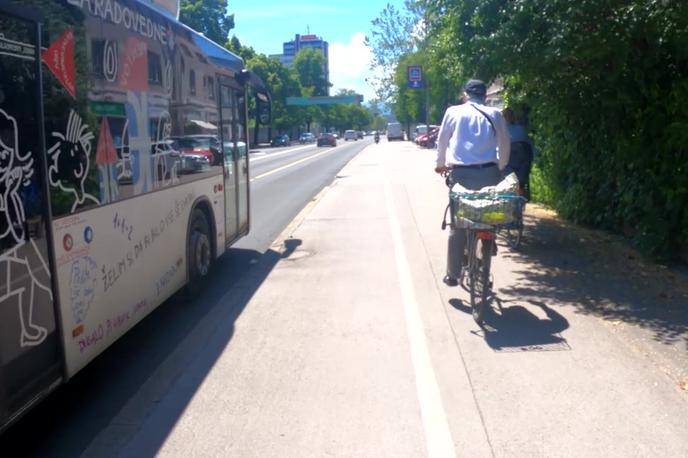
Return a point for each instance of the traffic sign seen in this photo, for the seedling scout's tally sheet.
(416, 84)
(415, 73)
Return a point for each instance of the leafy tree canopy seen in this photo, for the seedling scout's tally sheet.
(245, 52)
(208, 17)
(393, 36)
(604, 85)
(282, 83)
(309, 65)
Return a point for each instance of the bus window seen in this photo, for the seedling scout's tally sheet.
(30, 359)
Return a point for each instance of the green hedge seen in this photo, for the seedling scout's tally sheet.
(607, 86)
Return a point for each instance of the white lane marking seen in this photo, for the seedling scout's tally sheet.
(438, 439)
(291, 164)
(268, 156)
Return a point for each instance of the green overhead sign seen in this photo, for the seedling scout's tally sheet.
(341, 99)
(108, 109)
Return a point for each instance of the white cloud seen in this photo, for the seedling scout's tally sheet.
(350, 66)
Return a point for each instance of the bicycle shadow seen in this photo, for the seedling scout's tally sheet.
(518, 329)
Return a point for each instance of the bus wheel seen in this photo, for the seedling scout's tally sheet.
(200, 250)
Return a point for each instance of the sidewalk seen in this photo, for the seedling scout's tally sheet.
(353, 346)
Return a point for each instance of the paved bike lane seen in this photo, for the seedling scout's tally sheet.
(550, 374)
(352, 346)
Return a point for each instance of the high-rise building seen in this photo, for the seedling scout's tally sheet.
(291, 48)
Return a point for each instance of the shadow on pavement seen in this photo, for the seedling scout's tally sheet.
(592, 272)
(515, 328)
(68, 421)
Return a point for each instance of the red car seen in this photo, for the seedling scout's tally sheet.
(327, 140)
(428, 140)
(205, 145)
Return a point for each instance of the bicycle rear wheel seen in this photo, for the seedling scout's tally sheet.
(479, 278)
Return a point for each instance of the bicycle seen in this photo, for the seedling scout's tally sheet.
(475, 272)
(513, 232)
(521, 161)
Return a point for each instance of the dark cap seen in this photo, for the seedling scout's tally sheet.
(475, 87)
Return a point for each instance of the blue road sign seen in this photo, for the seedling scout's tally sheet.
(416, 84)
(414, 73)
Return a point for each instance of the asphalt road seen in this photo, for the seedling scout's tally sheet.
(283, 181)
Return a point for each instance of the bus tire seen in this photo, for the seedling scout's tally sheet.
(200, 251)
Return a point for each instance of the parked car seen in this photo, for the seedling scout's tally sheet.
(422, 129)
(306, 137)
(206, 145)
(326, 139)
(281, 140)
(428, 140)
(350, 135)
(359, 134)
(190, 161)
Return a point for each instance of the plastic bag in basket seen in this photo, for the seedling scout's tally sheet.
(497, 204)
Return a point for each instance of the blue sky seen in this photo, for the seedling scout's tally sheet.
(266, 24)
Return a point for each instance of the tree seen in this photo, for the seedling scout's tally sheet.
(309, 65)
(245, 52)
(410, 103)
(392, 37)
(208, 17)
(349, 116)
(605, 85)
(281, 83)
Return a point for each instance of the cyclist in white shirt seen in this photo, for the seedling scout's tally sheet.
(473, 146)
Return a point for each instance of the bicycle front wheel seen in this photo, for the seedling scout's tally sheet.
(479, 280)
(514, 234)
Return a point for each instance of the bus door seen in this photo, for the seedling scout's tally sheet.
(30, 355)
(243, 183)
(235, 151)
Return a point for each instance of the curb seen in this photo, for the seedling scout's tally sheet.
(278, 243)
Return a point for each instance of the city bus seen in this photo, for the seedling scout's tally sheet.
(123, 174)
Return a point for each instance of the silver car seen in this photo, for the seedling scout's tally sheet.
(189, 161)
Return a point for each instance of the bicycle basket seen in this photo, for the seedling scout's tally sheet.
(493, 205)
(498, 210)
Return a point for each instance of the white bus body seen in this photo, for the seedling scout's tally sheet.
(124, 173)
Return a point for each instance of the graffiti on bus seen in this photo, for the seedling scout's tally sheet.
(16, 170)
(70, 156)
(83, 282)
(20, 258)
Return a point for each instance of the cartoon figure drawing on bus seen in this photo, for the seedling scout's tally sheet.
(106, 159)
(18, 269)
(70, 160)
(16, 172)
(124, 166)
(138, 130)
(165, 158)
